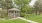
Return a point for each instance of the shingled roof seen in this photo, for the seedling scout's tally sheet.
(15, 9)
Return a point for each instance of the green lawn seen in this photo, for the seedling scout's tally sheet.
(13, 21)
(37, 18)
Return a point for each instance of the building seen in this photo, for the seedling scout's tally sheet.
(13, 13)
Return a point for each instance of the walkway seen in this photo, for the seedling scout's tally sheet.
(22, 19)
(27, 20)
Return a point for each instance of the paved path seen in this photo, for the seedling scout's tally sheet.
(27, 20)
(22, 19)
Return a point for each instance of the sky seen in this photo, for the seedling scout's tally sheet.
(32, 2)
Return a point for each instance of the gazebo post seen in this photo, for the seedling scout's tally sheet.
(19, 14)
(8, 13)
(14, 13)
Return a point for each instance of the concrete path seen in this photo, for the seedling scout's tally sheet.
(22, 19)
(27, 20)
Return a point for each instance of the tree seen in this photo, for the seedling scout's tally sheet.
(6, 4)
(22, 4)
(26, 9)
(38, 6)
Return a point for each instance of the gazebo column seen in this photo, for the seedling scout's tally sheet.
(18, 14)
(9, 14)
(14, 14)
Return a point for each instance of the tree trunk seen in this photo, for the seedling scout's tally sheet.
(39, 12)
(36, 12)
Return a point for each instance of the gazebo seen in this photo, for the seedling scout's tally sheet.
(13, 13)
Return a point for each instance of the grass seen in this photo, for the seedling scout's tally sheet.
(13, 21)
(37, 18)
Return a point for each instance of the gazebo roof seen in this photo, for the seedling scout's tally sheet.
(15, 9)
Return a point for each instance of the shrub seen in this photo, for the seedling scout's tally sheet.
(22, 14)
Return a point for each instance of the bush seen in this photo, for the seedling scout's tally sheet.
(4, 15)
(23, 15)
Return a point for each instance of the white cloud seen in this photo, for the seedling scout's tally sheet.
(32, 2)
